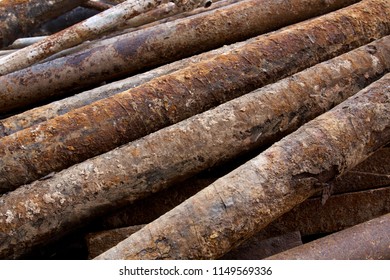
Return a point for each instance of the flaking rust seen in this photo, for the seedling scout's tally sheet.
(17, 18)
(88, 29)
(238, 205)
(156, 161)
(78, 135)
(133, 52)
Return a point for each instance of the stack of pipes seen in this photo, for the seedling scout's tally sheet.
(186, 129)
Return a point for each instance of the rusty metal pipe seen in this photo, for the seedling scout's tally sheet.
(310, 217)
(94, 129)
(85, 30)
(366, 241)
(35, 213)
(238, 205)
(340, 211)
(168, 42)
(17, 18)
(99, 242)
(40, 114)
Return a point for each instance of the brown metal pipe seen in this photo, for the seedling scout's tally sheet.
(97, 128)
(36, 213)
(38, 115)
(130, 53)
(366, 241)
(238, 205)
(361, 203)
(82, 31)
(99, 242)
(17, 18)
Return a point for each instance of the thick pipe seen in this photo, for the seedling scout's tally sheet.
(238, 205)
(366, 241)
(85, 30)
(130, 53)
(99, 127)
(36, 213)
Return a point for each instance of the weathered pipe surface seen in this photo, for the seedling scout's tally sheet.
(65, 20)
(374, 172)
(17, 18)
(85, 30)
(97, 128)
(99, 242)
(40, 114)
(238, 205)
(366, 241)
(260, 249)
(35, 213)
(168, 42)
(340, 211)
(310, 217)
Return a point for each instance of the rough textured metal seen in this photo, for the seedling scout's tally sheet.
(339, 212)
(85, 30)
(261, 249)
(369, 198)
(167, 12)
(99, 242)
(78, 135)
(47, 208)
(374, 172)
(367, 241)
(17, 18)
(238, 205)
(171, 41)
(40, 114)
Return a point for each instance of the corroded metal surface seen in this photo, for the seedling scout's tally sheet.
(339, 212)
(40, 114)
(168, 42)
(238, 205)
(369, 198)
(85, 30)
(99, 242)
(366, 241)
(47, 208)
(260, 249)
(88, 131)
(17, 18)
(374, 172)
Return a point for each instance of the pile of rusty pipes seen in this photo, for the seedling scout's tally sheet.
(227, 122)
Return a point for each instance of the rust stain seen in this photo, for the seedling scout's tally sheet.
(108, 123)
(166, 43)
